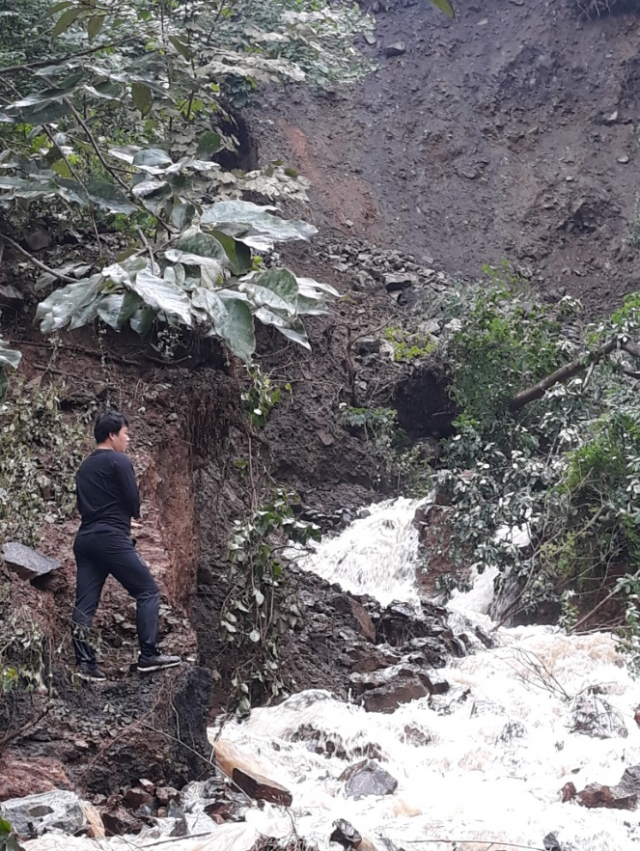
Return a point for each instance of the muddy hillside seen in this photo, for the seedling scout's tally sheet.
(510, 132)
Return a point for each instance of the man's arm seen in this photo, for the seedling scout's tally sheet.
(129, 486)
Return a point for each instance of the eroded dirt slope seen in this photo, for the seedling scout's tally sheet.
(508, 133)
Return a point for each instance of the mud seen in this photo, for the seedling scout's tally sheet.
(509, 133)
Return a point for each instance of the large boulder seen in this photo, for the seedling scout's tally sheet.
(27, 563)
(58, 811)
(367, 778)
(623, 796)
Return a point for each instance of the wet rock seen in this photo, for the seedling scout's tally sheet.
(20, 778)
(550, 843)
(49, 811)
(399, 281)
(345, 834)
(396, 49)
(261, 788)
(595, 717)
(367, 778)
(568, 792)
(623, 796)
(120, 821)
(27, 563)
(165, 794)
(137, 797)
(390, 697)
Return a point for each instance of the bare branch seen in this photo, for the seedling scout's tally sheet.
(31, 259)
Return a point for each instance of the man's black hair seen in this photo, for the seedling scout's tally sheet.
(108, 423)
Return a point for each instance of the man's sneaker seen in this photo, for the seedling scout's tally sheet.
(157, 663)
(91, 672)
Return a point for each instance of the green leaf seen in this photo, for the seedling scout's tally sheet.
(161, 294)
(108, 90)
(65, 20)
(254, 224)
(8, 357)
(291, 328)
(142, 320)
(142, 98)
(182, 214)
(94, 25)
(181, 46)
(110, 197)
(240, 335)
(238, 253)
(445, 6)
(153, 158)
(198, 249)
(209, 143)
(276, 288)
(58, 7)
(60, 307)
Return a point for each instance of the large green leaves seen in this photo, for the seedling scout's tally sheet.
(8, 357)
(255, 225)
(445, 6)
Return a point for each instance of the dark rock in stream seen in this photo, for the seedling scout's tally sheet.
(345, 834)
(367, 778)
(623, 796)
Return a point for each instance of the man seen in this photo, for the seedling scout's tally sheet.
(108, 498)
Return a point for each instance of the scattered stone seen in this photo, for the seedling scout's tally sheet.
(568, 792)
(38, 239)
(623, 796)
(165, 794)
(136, 798)
(261, 788)
(367, 778)
(345, 834)
(370, 38)
(624, 159)
(27, 563)
(325, 438)
(594, 717)
(611, 118)
(120, 821)
(37, 814)
(399, 281)
(636, 716)
(395, 49)
(550, 842)
(147, 786)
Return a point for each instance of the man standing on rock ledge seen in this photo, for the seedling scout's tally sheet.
(108, 498)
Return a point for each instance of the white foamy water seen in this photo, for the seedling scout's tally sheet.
(483, 764)
(374, 555)
(478, 769)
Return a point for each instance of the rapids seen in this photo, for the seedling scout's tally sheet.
(478, 769)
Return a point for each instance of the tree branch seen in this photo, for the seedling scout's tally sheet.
(50, 63)
(537, 391)
(31, 259)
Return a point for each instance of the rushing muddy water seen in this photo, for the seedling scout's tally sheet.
(479, 768)
(482, 764)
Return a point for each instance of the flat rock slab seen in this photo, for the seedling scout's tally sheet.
(261, 788)
(27, 563)
(48, 811)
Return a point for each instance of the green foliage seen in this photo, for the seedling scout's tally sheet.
(407, 346)
(124, 129)
(261, 396)
(40, 451)
(257, 611)
(508, 341)
(547, 495)
(8, 839)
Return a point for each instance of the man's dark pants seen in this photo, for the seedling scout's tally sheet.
(99, 554)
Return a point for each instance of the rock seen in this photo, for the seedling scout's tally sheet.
(120, 821)
(345, 834)
(594, 717)
(367, 778)
(636, 716)
(370, 38)
(623, 796)
(611, 118)
(38, 239)
(20, 778)
(550, 843)
(395, 49)
(136, 798)
(147, 786)
(568, 792)
(9, 294)
(367, 346)
(27, 563)
(164, 794)
(261, 788)
(624, 159)
(37, 814)
(364, 621)
(389, 698)
(395, 281)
